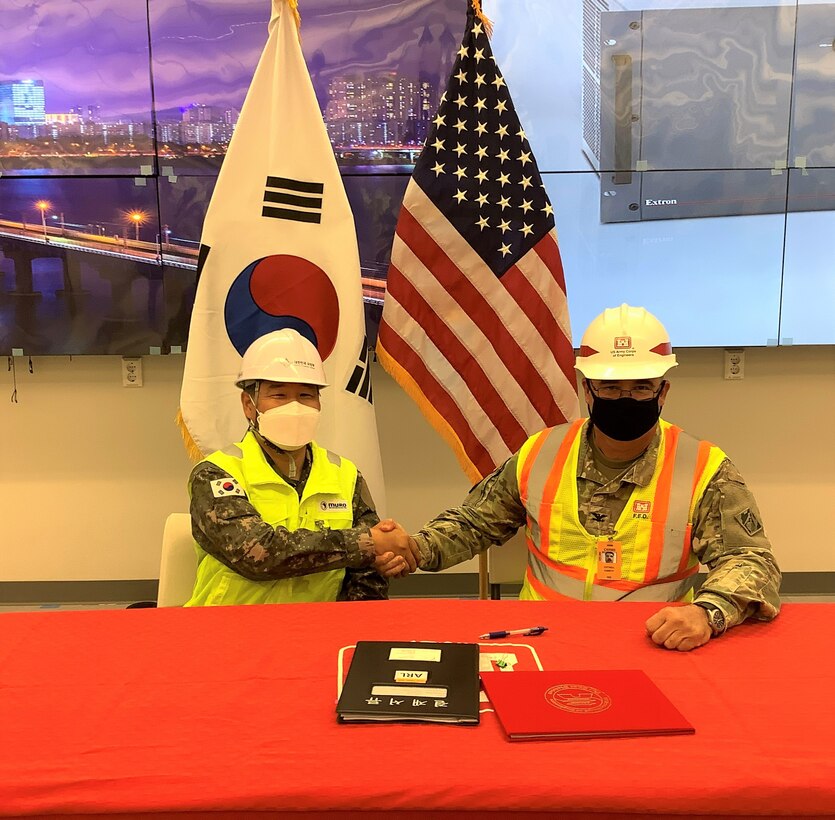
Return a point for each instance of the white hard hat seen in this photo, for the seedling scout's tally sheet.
(282, 356)
(625, 343)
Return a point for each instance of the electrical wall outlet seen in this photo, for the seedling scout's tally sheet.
(734, 364)
(131, 372)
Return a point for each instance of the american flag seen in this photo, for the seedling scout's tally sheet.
(475, 322)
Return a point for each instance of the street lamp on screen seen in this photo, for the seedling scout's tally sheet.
(43, 206)
(137, 217)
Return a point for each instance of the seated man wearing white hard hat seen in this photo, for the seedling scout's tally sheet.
(623, 505)
(277, 518)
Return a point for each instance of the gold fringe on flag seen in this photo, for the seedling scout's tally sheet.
(488, 24)
(194, 452)
(402, 377)
(294, 7)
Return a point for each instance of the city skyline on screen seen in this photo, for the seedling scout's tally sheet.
(86, 83)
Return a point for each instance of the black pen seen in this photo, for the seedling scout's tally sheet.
(504, 633)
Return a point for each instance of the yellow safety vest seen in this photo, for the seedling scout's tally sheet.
(654, 529)
(327, 502)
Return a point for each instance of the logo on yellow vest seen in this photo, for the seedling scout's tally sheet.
(333, 506)
(641, 509)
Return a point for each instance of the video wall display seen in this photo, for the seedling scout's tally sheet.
(686, 148)
(80, 268)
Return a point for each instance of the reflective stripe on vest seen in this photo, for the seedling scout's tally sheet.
(661, 562)
(327, 502)
(551, 584)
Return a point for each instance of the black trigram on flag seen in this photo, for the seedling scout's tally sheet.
(303, 200)
(360, 381)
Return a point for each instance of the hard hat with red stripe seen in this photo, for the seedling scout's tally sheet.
(625, 343)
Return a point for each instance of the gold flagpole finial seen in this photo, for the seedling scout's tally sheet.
(488, 25)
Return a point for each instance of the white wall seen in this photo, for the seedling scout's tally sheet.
(89, 469)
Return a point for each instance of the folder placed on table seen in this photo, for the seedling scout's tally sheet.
(409, 681)
(561, 705)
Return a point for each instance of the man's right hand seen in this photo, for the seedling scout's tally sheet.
(392, 541)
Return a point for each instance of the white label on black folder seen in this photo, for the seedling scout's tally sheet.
(410, 653)
(411, 676)
(409, 692)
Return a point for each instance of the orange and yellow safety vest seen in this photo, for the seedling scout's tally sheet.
(654, 529)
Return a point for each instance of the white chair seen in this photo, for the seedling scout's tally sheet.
(178, 565)
(507, 563)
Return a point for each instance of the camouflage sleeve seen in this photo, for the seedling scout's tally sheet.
(491, 513)
(230, 529)
(364, 584)
(729, 538)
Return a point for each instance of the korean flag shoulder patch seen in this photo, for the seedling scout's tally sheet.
(222, 487)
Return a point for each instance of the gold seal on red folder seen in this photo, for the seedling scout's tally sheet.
(576, 697)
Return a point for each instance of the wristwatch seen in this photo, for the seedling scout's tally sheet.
(715, 618)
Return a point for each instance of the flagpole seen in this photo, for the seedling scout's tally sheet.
(483, 577)
(483, 564)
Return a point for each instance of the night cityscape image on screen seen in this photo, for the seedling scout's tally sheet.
(114, 120)
(115, 117)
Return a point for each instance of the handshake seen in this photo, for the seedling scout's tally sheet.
(396, 553)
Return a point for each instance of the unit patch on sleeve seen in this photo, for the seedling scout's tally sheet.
(749, 522)
(226, 486)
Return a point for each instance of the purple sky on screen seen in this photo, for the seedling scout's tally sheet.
(96, 51)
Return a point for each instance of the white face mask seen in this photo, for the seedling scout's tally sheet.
(289, 426)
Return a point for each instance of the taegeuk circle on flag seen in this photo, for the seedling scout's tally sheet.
(279, 292)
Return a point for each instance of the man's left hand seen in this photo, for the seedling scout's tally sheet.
(390, 565)
(679, 627)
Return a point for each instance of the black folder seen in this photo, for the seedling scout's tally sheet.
(411, 681)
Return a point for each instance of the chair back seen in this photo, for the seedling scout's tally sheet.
(178, 565)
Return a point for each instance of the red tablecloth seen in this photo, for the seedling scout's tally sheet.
(231, 710)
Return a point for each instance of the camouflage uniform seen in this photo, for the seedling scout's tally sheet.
(728, 535)
(231, 530)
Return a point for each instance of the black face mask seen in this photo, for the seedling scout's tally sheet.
(625, 419)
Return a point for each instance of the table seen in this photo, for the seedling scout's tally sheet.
(226, 712)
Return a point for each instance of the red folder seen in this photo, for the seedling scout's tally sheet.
(581, 704)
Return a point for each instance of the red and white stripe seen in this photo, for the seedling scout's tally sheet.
(492, 355)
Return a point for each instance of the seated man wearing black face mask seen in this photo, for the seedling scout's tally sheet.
(276, 517)
(624, 505)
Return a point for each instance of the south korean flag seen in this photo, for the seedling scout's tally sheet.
(279, 250)
(221, 487)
